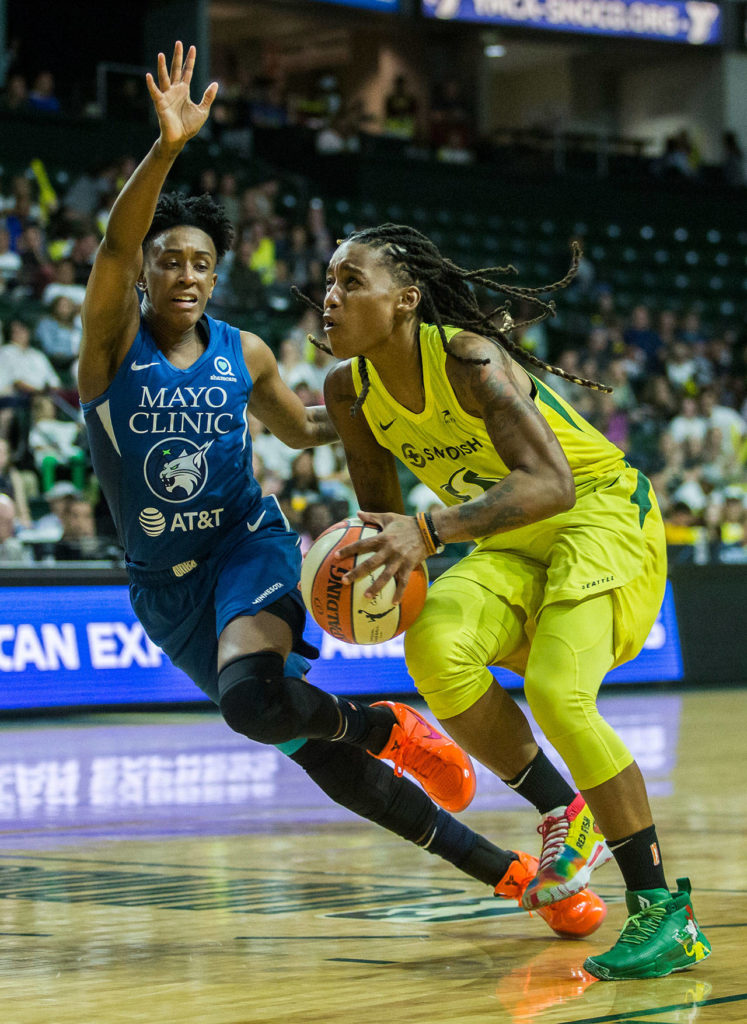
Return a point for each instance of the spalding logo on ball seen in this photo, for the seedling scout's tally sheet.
(342, 610)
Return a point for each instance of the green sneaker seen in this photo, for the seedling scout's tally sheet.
(660, 936)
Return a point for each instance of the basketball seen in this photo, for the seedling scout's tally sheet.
(342, 610)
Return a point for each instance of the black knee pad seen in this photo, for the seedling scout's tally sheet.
(257, 701)
(251, 698)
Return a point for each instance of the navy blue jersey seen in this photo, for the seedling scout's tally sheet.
(172, 451)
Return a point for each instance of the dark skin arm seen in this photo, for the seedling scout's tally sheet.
(372, 469)
(539, 483)
(110, 312)
(279, 408)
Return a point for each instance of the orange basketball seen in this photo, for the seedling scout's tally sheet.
(342, 610)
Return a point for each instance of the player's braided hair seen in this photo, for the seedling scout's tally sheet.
(448, 298)
(174, 210)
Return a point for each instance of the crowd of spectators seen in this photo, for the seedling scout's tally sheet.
(678, 406)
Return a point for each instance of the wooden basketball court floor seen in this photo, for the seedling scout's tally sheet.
(158, 868)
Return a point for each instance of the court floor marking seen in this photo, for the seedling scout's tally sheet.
(632, 1015)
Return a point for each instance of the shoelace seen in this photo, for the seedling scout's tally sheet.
(553, 832)
(418, 760)
(641, 926)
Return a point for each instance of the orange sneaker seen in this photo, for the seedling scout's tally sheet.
(574, 917)
(440, 766)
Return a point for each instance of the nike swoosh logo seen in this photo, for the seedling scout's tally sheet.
(251, 527)
(385, 426)
(141, 366)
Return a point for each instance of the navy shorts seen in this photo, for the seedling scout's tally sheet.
(247, 573)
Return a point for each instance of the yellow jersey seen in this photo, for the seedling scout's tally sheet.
(450, 451)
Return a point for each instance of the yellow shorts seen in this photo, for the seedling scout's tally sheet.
(485, 609)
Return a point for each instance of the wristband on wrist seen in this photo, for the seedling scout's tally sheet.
(437, 542)
(429, 534)
(425, 533)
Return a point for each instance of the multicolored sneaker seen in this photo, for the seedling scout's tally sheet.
(440, 766)
(660, 936)
(574, 917)
(572, 847)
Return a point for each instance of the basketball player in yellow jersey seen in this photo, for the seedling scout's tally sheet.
(566, 578)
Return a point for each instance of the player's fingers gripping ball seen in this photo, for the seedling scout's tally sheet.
(342, 610)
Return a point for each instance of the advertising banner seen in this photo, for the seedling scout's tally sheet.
(675, 21)
(69, 646)
(371, 5)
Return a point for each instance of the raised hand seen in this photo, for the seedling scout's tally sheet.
(178, 117)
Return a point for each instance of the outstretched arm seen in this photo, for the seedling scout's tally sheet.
(110, 311)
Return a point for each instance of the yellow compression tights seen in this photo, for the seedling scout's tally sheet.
(465, 627)
(569, 657)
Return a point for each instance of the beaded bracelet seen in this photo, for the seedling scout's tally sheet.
(431, 539)
(425, 533)
(437, 542)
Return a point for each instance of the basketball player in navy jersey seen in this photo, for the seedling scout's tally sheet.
(213, 565)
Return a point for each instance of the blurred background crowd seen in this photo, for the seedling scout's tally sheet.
(675, 359)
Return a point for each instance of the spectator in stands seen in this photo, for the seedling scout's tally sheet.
(22, 214)
(686, 538)
(688, 423)
(228, 195)
(243, 290)
(666, 327)
(268, 107)
(319, 233)
(83, 198)
(15, 96)
(276, 457)
(733, 526)
(728, 421)
(55, 444)
(10, 261)
(301, 488)
(640, 335)
(11, 548)
(450, 114)
(42, 95)
(692, 331)
(300, 256)
(683, 369)
(400, 111)
(47, 529)
(12, 483)
(36, 266)
(263, 251)
(277, 294)
(316, 517)
(82, 255)
(24, 370)
(312, 373)
(681, 158)
(79, 541)
(58, 332)
(289, 357)
(64, 284)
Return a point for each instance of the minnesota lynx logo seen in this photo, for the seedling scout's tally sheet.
(177, 469)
